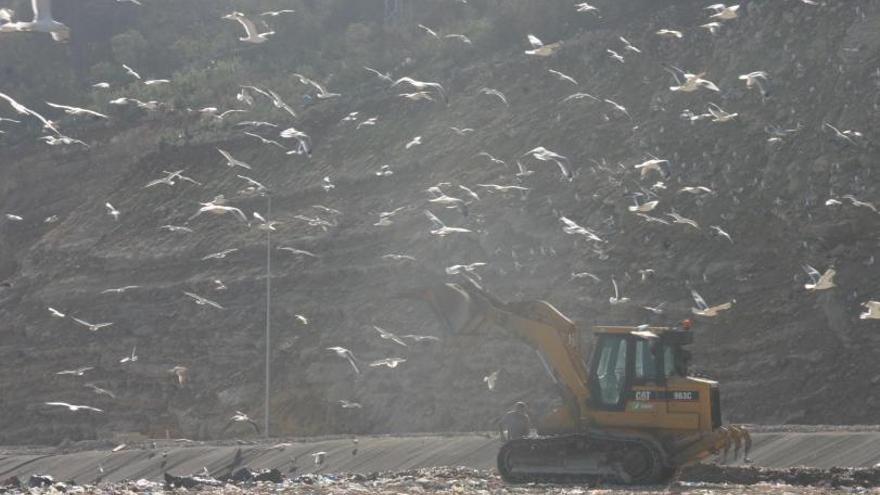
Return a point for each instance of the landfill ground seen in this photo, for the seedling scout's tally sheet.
(791, 460)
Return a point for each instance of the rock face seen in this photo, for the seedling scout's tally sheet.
(782, 354)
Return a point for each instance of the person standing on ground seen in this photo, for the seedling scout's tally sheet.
(515, 424)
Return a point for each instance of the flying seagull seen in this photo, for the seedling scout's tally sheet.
(545, 155)
(42, 22)
(276, 13)
(422, 86)
(692, 82)
(562, 77)
(491, 379)
(391, 362)
(723, 12)
(676, 218)
(421, 338)
(252, 35)
(385, 76)
(349, 405)
(572, 228)
(219, 209)
(495, 93)
(169, 179)
(75, 372)
(753, 79)
(655, 164)
(440, 228)
(616, 299)
(872, 310)
(670, 33)
(131, 358)
(322, 93)
(819, 281)
(232, 162)
(298, 252)
(23, 110)
(73, 407)
(704, 309)
(77, 111)
(120, 290)
(386, 335)
(539, 48)
(345, 353)
(55, 313)
(219, 255)
(202, 301)
(94, 327)
(240, 417)
(100, 391)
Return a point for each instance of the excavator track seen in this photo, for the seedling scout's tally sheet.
(590, 458)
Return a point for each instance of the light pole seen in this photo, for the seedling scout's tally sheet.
(268, 306)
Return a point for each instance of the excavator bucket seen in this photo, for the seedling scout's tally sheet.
(453, 304)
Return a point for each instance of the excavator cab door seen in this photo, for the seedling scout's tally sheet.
(610, 377)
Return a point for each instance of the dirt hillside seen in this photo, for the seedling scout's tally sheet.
(783, 354)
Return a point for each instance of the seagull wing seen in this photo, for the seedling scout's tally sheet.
(249, 27)
(813, 273)
(70, 109)
(534, 41)
(698, 299)
(433, 218)
(616, 293)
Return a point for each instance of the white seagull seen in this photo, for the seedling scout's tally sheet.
(42, 23)
(495, 93)
(345, 353)
(219, 209)
(491, 379)
(616, 299)
(322, 93)
(421, 86)
(77, 111)
(73, 407)
(571, 228)
(724, 12)
(252, 35)
(75, 372)
(819, 281)
(704, 309)
(386, 335)
(391, 362)
(94, 327)
(202, 301)
(232, 162)
(120, 290)
(440, 228)
(873, 310)
(562, 77)
(131, 358)
(545, 155)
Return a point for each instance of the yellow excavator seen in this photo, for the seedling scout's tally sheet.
(630, 414)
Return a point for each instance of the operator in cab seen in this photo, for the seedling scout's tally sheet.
(515, 424)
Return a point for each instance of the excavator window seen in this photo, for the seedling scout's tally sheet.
(647, 361)
(610, 373)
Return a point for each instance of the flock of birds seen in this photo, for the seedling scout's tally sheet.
(645, 202)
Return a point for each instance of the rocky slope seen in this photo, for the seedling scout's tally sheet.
(784, 355)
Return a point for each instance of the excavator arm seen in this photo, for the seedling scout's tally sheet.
(466, 308)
